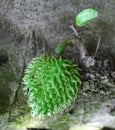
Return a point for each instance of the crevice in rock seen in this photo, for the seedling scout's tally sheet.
(3, 57)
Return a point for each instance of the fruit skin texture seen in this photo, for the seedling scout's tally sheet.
(53, 84)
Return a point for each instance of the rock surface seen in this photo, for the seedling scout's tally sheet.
(101, 120)
(31, 27)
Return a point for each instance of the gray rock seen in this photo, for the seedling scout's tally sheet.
(31, 27)
(103, 117)
(86, 85)
(16, 50)
(99, 64)
(92, 76)
(113, 74)
(54, 17)
(92, 87)
(105, 63)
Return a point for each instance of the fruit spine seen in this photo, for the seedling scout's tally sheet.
(53, 84)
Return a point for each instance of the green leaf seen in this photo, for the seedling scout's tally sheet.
(61, 47)
(86, 16)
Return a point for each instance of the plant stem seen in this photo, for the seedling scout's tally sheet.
(97, 48)
(75, 31)
(81, 47)
(86, 60)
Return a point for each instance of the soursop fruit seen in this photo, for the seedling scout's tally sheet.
(53, 84)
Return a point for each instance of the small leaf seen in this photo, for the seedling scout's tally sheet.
(61, 47)
(86, 16)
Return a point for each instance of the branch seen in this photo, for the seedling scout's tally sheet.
(75, 31)
(81, 47)
(86, 60)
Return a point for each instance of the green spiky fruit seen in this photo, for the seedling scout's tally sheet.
(53, 84)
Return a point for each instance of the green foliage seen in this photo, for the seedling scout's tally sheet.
(61, 47)
(86, 16)
(53, 84)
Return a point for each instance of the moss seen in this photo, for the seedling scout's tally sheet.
(20, 119)
(7, 76)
